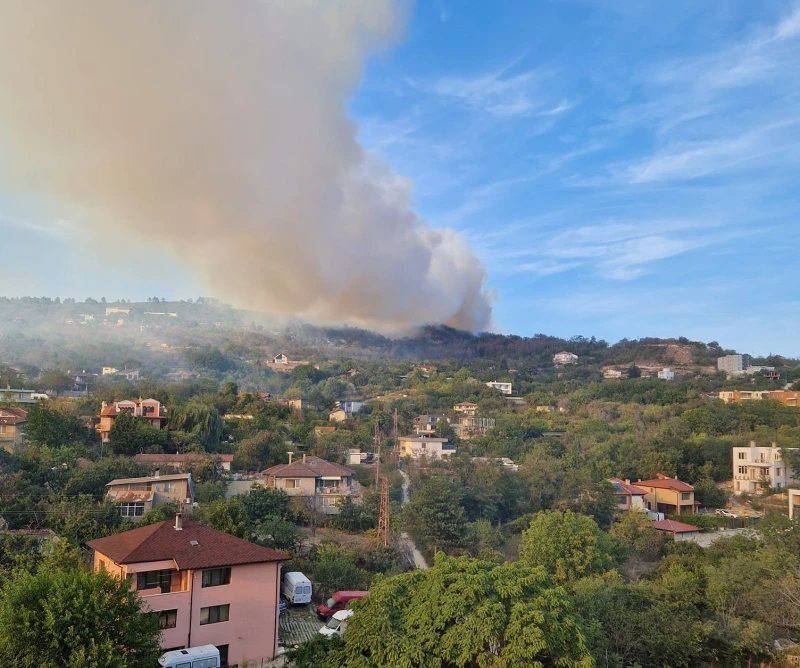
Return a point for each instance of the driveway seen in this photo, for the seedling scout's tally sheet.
(406, 544)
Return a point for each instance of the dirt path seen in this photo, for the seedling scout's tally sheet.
(407, 545)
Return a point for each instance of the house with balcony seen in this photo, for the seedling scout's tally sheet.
(328, 484)
(426, 424)
(757, 469)
(12, 427)
(417, 447)
(151, 410)
(136, 496)
(9, 395)
(205, 586)
(668, 495)
(466, 408)
(501, 386)
(629, 497)
(564, 357)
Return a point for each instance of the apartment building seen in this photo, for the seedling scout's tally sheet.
(136, 496)
(786, 397)
(207, 587)
(417, 447)
(151, 410)
(668, 495)
(757, 469)
(328, 484)
(734, 365)
(12, 427)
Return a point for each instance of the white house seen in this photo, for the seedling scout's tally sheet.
(423, 446)
(666, 374)
(502, 387)
(756, 469)
(280, 358)
(564, 357)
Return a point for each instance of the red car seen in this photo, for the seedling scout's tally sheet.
(338, 602)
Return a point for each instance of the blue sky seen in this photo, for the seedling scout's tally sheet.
(623, 168)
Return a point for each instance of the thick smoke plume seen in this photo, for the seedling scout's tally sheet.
(218, 129)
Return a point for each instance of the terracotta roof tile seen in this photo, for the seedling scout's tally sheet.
(313, 467)
(161, 542)
(625, 488)
(666, 483)
(672, 526)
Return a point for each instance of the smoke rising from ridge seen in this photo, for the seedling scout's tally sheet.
(219, 131)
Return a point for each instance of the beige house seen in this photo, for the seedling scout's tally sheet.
(136, 496)
(12, 426)
(426, 424)
(678, 530)
(668, 495)
(416, 447)
(466, 408)
(328, 484)
(149, 409)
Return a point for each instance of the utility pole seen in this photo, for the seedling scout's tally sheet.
(395, 441)
(383, 515)
(377, 442)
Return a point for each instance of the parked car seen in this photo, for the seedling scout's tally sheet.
(337, 624)
(338, 602)
(724, 512)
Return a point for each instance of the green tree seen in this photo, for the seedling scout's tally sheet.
(567, 545)
(261, 502)
(465, 612)
(130, 435)
(75, 618)
(638, 536)
(709, 494)
(91, 479)
(50, 427)
(201, 421)
(435, 517)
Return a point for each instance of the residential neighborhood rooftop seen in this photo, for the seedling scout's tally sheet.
(308, 467)
(150, 478)
(193, 546)
(666, 483)
(674, 527)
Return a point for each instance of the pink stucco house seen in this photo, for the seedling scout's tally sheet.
(207, 587)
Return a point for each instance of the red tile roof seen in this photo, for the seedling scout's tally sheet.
(666, 483)
(13, 415)
(672, 526)
(625, 488)
(313, 467)
(161, 542)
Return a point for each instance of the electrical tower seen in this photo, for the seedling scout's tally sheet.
(383, 515)
(377, 442)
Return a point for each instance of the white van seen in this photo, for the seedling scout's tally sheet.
(337, 624)
(296, 588)
(203, 656)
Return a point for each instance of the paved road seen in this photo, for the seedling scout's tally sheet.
(407, 545)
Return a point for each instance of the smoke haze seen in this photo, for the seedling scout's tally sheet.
(219, 131)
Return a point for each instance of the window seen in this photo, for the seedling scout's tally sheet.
(165, 487)
(135, 509)
(292, 483)
(214, 614)
(153, 580)
(743, 469)
(205, 663)
(215, 577)
(685, 496)
(777, 471)
(223, 655)
(167, 619)
(742, 455)
(3, 429)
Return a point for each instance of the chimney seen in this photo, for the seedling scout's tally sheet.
(290, 453)
(304, 458)
(627, 481)
(157, 473)
(178, 522)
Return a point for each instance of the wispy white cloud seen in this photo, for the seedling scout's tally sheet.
(53, 228)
